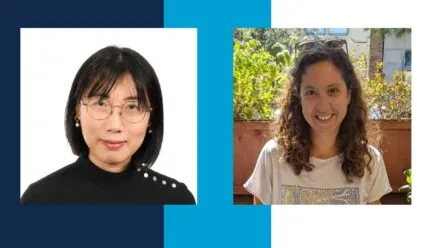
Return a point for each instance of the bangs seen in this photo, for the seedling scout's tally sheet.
(102, 85)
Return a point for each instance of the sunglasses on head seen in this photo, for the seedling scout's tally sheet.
(332, 43)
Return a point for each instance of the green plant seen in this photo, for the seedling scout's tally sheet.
(274, 40)
(395, 97)
(383, 32)
(407, 187)
(391, 99)
(258, 79)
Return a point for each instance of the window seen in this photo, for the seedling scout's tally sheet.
(338, 31)
(407, 60)
(327, 31)
(316, 31)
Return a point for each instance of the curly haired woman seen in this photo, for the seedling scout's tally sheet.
(321, 152)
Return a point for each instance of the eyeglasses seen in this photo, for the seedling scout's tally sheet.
(331, 43)
(131, 111)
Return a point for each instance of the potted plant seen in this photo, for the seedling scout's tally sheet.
(407, 186)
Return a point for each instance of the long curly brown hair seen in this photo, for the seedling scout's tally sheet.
(292, 132)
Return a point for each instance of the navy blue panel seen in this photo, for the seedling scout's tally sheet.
(64, 226)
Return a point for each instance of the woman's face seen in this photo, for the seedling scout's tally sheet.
(113, 141)
(324, 98)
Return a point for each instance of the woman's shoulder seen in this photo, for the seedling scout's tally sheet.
(44, 187)
(176, 192)
(59, 175)
(64, 171)
(271, 148)
(375, 153)
(376, 159)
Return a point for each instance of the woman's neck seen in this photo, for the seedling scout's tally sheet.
(324, 146)
(113, 168)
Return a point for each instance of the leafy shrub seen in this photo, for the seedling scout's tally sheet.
(407, 187)
(386, 100)
(258, 79)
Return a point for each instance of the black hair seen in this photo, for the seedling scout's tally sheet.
(97, 76)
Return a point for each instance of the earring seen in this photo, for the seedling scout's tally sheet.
(77, 123)
(150, 131)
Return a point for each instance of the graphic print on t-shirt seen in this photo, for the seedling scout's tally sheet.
(290, 194)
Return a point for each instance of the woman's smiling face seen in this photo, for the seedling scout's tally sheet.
(324, 98)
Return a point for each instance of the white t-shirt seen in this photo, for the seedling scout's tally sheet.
(273, 180)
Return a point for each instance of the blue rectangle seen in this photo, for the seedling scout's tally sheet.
(65, 226)
(215, 222)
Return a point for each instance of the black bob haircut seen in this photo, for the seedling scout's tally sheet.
(97, 77)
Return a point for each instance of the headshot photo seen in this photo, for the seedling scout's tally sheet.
(319, 119)
(108, 116)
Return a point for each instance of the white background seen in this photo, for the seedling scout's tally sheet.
(50, 59)
(367, 226)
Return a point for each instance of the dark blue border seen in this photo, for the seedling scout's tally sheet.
(64, 226)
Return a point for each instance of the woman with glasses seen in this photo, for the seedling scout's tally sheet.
(321, 150)
(114, 123)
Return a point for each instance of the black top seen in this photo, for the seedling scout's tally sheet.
(83, 182)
